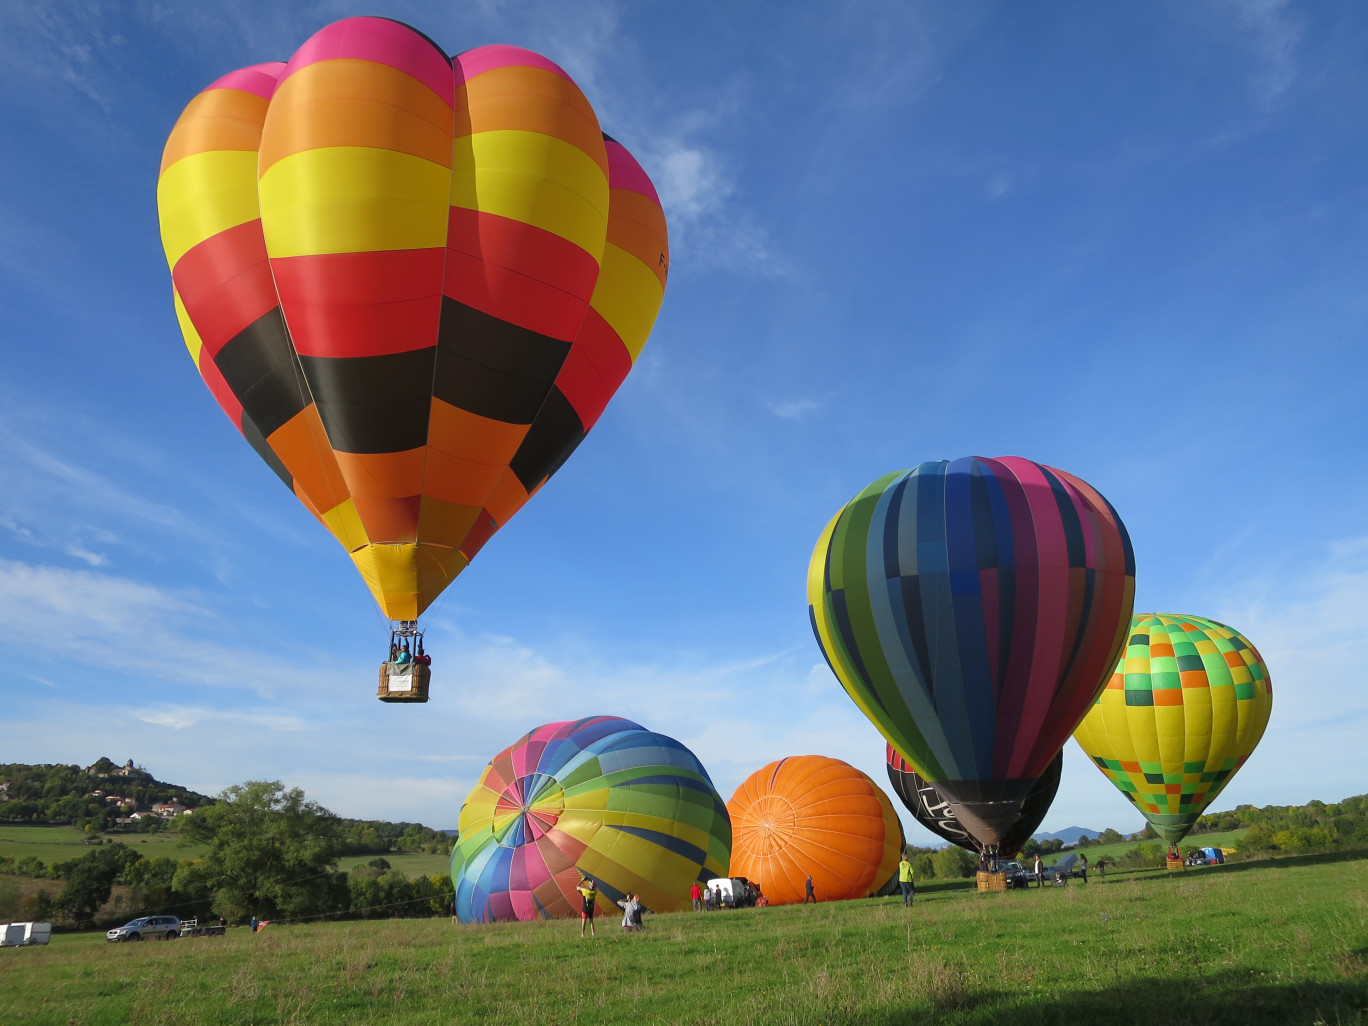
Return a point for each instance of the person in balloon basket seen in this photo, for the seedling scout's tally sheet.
(589, 894)
(1039, 868)
(809, 894)
(909, 889)
(696, 896)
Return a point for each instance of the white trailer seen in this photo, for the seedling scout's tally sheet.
(23, 935)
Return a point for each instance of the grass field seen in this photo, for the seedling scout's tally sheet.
(1274, 943)
(62, 843)
(410, 864)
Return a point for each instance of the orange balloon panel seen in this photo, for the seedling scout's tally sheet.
(811, 815)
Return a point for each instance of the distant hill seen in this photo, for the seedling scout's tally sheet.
(1069, 835)
(103, 796)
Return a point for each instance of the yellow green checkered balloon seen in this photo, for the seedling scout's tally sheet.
(1182, 712)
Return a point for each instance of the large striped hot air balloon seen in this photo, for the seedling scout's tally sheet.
(1185, 707)
(601, 797)
(413, 282)
(810, 815)
(973, 609)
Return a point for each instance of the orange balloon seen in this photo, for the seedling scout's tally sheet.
(811, 815)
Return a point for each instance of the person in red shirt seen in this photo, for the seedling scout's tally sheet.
(696, 893)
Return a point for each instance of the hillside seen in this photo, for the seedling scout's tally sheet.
(107, 798)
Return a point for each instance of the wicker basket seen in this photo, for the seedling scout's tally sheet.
(992, 881)
(403, 682)
(1173, 863)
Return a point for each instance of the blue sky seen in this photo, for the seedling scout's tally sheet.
(1129, 242)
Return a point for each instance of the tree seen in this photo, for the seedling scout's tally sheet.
(953, 862)
(90, 879)
(272, 853)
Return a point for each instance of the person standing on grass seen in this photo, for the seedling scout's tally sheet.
(696, 895)
(809, 895)
(909, 889)
(1083, 866)
(631, 911)
(589, 894)
(1039, 872)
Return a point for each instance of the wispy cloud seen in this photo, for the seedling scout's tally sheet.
(51, 44)
(119, 624)
(792, 409)
(999, 185)
(1271, 31)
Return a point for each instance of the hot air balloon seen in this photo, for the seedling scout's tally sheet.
(933, 812)
(601, 797)
(972, 610)
(809, 815)
(1182, 712)
(413, 283)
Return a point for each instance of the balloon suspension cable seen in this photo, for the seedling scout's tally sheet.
(405, 636)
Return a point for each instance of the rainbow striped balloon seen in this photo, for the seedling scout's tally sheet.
(601, 797)
(412, 281)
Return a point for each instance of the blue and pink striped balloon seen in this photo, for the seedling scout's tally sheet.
(973, 610)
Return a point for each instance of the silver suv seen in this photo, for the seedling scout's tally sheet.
(147, 928)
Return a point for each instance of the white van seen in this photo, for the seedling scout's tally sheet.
(737, 891)
(23, 935)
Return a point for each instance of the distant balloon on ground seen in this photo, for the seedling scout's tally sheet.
(811, 815)
(972, 610)
(601, 797)
(933, 812)
(1182, 712)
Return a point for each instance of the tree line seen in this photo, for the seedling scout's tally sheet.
(271, 854)
(63, 794)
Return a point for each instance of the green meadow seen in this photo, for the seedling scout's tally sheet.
(411, 864)
(65, 843)
(1267, 943)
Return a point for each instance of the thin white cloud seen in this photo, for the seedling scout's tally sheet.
(999, 185)
(792, 409)
(85, 555)
(1271, 31)
(119, 624)
(49, 44)
(185, 717)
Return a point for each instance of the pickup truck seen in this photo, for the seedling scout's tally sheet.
(192, 928)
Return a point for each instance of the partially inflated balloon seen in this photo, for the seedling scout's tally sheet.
(811, 815)
(933, 812)
(601, 797)
(412, 281)
(972, 610)
(1182, 712)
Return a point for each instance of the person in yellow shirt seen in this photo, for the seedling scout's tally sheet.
(589, 893)
(909, 889)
